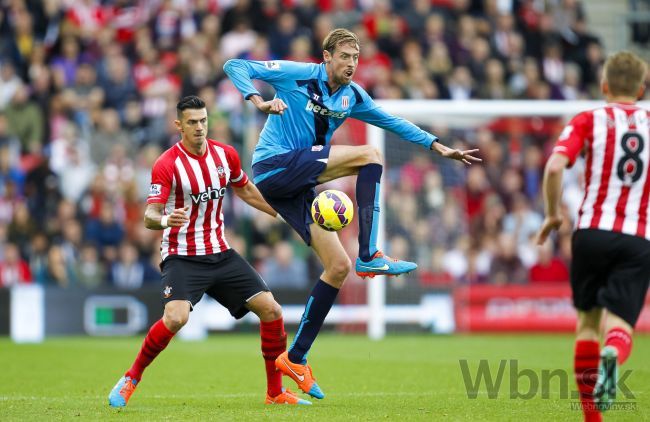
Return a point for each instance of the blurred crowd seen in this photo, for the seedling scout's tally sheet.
(88, 90)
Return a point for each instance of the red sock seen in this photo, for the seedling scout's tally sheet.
(155, 342)
(622, 340)
(585, 367)
(274, 342)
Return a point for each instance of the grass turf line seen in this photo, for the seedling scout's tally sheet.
(402, 377)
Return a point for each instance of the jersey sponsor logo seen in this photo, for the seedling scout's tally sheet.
(221, 172)
(345, 102)
(167, 292)
(323, 111)
(317, 148)
(155, 189)
(272, 65)
(208, 194)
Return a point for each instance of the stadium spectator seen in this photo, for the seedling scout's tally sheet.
(26, 120)
(506, 266)
(37, 258)
(283, 269)
(13, 269)
(127, 272)
(88, 270)
(549, 268)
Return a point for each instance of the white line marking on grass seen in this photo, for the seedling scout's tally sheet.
(215, 396)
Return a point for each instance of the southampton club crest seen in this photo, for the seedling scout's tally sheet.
(221, 172)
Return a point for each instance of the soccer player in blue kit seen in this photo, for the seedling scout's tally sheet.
(293, 155)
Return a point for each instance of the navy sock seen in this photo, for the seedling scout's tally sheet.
(368, 203)
(320, 302)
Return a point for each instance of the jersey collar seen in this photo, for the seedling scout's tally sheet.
(196, 157)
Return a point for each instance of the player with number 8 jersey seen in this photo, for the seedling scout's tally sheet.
(615, 141)
(610, 248)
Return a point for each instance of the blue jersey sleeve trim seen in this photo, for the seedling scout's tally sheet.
(357, 95)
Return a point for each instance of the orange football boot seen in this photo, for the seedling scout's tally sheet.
(285, 397)
(301, 374)
(121, 393)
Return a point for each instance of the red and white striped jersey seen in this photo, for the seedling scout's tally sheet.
(180, 178)
(617, 183)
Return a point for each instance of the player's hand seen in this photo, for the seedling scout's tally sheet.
(275, 106)
(462, 155)
(466, 156)
(178, 217)
(550, 224)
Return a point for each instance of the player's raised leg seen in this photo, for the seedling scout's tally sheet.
(586, 359)
(274, 343)
(366, 162)
(175, 317)
(336, 266)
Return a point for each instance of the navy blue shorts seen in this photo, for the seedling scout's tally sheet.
(287, 182)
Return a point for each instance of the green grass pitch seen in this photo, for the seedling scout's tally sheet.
(410, 377)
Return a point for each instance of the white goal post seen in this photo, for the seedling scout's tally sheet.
(470, 112)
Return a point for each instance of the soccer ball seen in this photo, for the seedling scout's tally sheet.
(332, 210)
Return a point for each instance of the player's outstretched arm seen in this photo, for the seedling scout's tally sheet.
(466, 156)
(154, 219)
(252, 196)
(552, 189)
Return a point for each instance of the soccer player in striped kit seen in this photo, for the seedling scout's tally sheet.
(188, 182)
(611, 242)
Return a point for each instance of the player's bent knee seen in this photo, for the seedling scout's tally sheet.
(265, 307)
(273, 311)
(372, 155)
(175, 318)
(339, 269)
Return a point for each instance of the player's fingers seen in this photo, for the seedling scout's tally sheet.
(472, 158)
(470, 151)
(467, 162)
(543, 234)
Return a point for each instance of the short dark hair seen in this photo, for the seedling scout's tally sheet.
(190, 102)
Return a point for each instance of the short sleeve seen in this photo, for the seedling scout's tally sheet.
(238, 177)
(161, 182)
(572, 139)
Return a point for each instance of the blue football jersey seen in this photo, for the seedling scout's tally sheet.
(313, 112)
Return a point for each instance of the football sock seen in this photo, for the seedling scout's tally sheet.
(155, 342)
(320, 301)
(274, 343)
(368, 203)
(585, 366)
(622, 341)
